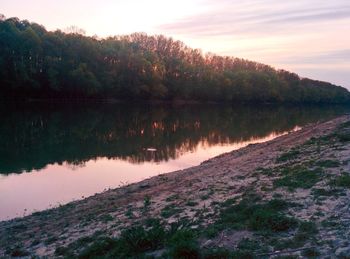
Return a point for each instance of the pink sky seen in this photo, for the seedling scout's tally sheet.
(309, 37)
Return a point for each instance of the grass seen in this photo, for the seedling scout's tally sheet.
(183, 244)
(328, 163)
(191, 203)
(247, 245)
(311, 253)
(342, 181)
(306, 232)
(129, 213)
(290, 155)
(132, 241)
(319, 192)
(146, 201)
(298, 177)
(169, 211)
(106, 218)
(343, 137)
(172, 198)
(267, 216)
(179, 241)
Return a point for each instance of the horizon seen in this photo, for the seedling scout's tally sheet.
(282, 35)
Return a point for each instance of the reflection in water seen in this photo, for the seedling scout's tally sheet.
(33, 138)
(75, 152)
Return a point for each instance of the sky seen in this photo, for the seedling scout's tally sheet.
(309, 37)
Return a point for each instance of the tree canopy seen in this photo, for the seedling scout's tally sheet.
(36, 63)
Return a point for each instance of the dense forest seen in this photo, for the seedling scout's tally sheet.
(36, 63)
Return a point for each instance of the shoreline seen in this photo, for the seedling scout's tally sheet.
(192, 193)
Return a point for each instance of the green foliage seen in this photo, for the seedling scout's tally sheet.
(328, 163)
(146, 201)
(343, 137)
(298, 177)
(132, 241)
(258, 216)
(106, 218)
(35, 63)
(311, 253)
(169, 210)
(217, 253)
(191, 203)
(98, 248)
(183, 245)
(342, 181)
(293, 154)
(317, 192)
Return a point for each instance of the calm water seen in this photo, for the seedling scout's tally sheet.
(51, 155)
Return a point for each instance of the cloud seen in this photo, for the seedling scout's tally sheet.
(259, 17)
(341, 56)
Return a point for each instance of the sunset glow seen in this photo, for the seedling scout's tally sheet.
(305, 36)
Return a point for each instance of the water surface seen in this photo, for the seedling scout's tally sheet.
(51, 155)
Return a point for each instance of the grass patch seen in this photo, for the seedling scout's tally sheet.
(191, 203)
(172, 198)
(169, 211)
(306, 232)
(106, 218)
(258, 217)
(132, 241)
(137, 241)
(183, 244)
(345, 125)
(217, 253)
(328, 163)
(290, 155)
(319, 192)
(311, 253)
(343, 137)
(342, 181)
(298, 177)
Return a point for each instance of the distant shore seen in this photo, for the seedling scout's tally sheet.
(306, 169)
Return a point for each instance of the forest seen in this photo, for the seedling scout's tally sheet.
(40, 64)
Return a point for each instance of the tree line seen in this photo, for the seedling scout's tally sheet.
(36, 63)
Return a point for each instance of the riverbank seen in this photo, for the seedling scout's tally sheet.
(288, 196)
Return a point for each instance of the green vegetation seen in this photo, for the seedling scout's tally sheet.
(344, 137)
(179, 240)
(135, 241)
(35, 63)
(342, 181)
(298, 177)
(328, 163)
(170, 210)
(250, 215)
(318, 192)
(293, 154)
(305, 233)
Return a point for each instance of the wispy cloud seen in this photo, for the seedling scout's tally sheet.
(327, 57)
(230, 17)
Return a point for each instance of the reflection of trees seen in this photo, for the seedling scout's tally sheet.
(31, 138)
